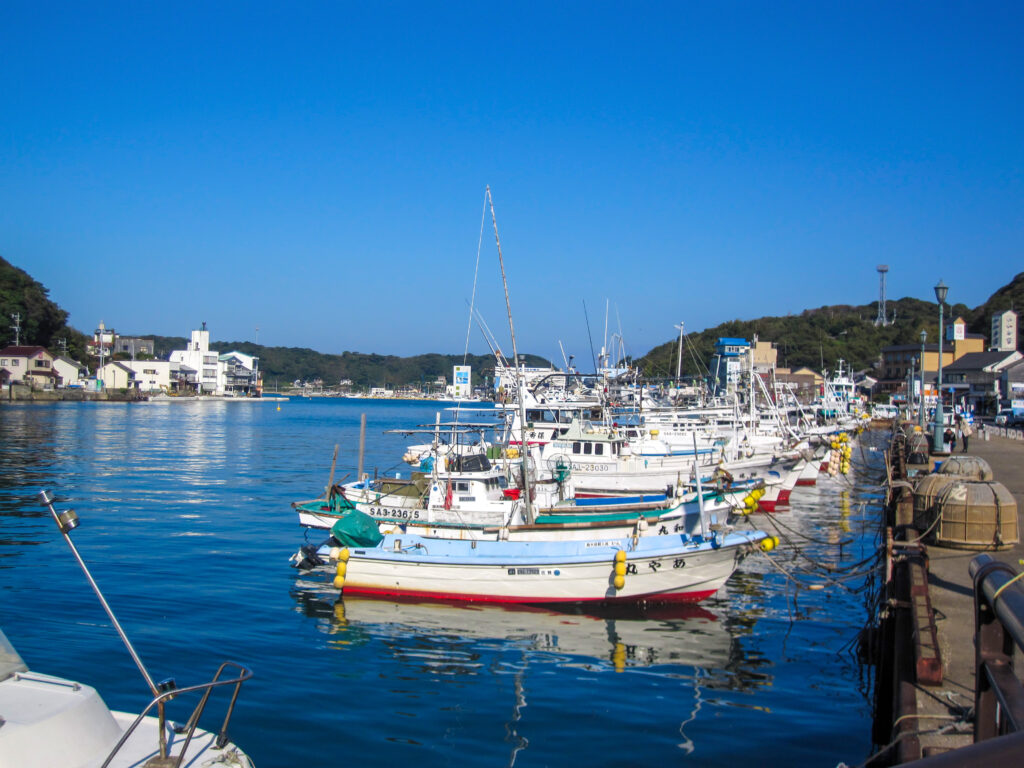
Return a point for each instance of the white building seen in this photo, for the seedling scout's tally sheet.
(154, 375)
(238, 374)
(199, 358)
(1004, 331)
(232, 374)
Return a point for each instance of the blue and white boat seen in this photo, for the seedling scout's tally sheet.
(666, 568)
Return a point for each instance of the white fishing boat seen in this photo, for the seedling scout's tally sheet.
(48, 721)
(670, 568)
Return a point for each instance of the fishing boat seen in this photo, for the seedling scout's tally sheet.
(669, 568)
(48, 721)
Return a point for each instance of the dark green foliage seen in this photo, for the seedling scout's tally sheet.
(815, 338)
(1010, 296)
(43, 323)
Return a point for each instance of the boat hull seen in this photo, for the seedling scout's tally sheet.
(660, 568)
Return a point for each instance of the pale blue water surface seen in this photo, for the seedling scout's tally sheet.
(187, 527)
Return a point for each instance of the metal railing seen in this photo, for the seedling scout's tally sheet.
(999, 628)
(190, 726)
(998, 694)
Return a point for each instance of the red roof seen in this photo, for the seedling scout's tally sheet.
(22, 351)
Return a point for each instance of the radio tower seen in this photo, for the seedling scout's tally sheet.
(882, 319)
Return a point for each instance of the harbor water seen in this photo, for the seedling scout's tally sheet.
(186, 525)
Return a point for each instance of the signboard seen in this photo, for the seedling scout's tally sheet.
(461, 381)
(956, 332)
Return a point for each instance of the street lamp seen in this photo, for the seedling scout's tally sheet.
(938, 442)
(920, 412)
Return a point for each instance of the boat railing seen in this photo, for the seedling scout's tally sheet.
(189, 728)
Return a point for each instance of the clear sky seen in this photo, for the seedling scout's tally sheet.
(318, 170)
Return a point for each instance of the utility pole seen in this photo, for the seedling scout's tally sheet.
(679, 354)
(17, 328)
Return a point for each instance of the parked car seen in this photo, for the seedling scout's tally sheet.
(1007, 417)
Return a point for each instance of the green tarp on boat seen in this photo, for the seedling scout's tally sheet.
(356, 529)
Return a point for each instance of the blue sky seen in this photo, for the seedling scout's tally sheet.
(318, 171)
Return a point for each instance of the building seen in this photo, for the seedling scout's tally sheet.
(766, 356)
(731, 358)
(974, 381)
(28, 365)
(238, 375)
(116, 375)
(1011, 386)
(200, 359)
(133, 345)
(157, 375)
(899, 360)
(1004, 331)
(232, 374)
(69, 373)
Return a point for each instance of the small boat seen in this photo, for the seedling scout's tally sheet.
(663, 568)
(52, 721)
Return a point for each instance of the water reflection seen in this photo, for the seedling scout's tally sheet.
(440, 636)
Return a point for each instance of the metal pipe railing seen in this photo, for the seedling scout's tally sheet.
(193, 721)
(999, 629)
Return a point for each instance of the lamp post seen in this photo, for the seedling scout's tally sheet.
(938, 441)
(920, 412)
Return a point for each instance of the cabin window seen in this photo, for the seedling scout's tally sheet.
(599, 449)
(587, 448)
(461, 486)
(575, 447)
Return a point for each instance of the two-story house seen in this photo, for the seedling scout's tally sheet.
(32, 366)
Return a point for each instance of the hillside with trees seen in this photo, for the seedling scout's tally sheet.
(815, 338)
(43, 323)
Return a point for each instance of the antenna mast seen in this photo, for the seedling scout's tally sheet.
(882, 318)
(16, 317)
(524, 453)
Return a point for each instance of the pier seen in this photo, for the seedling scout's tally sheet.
(950, 618)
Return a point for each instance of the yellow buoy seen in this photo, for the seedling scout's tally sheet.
(344, 555)
(619, 581)
(620, 569)
(619, 657)
(620, 556)
(767, 545)
(339, 582)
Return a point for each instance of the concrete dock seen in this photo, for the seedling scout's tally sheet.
(931, 719)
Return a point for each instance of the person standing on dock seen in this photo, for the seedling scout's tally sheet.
(963, 426)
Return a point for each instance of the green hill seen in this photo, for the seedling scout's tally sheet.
(42, 322)
(815, 338)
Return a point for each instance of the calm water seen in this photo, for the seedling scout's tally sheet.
(187, 527)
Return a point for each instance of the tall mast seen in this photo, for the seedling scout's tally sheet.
(523, 454)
